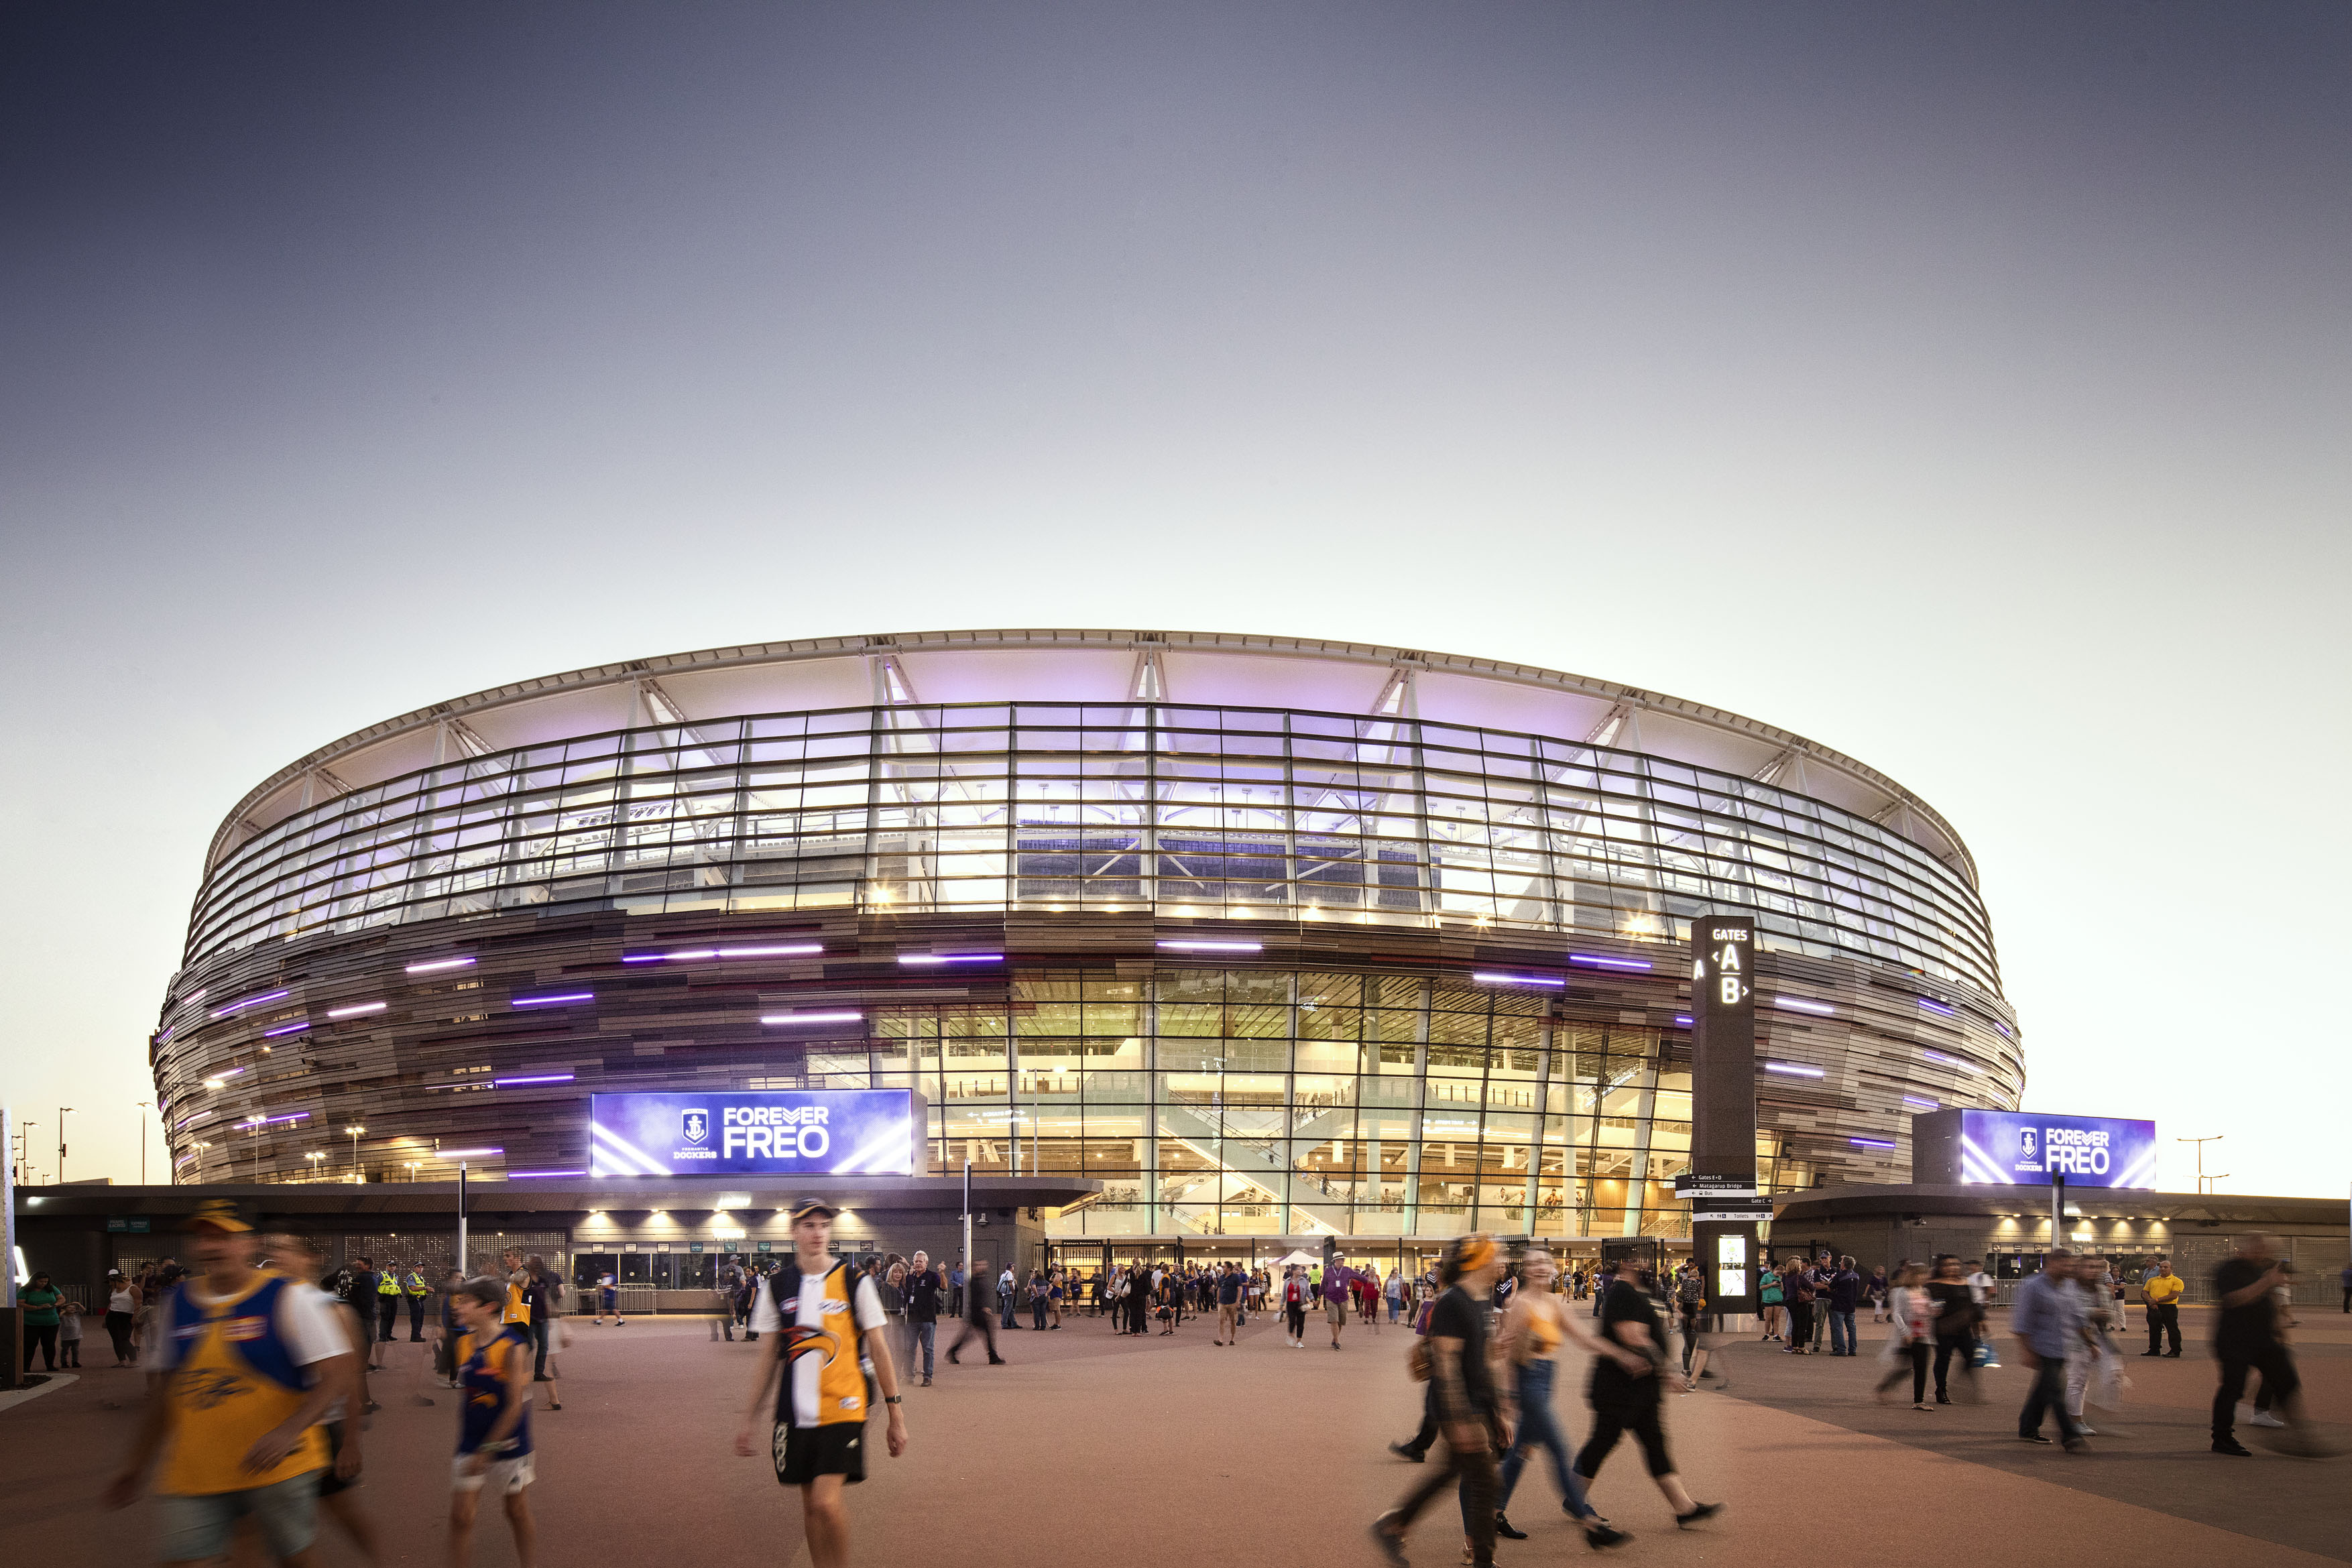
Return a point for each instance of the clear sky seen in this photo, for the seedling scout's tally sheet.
(1962, 386)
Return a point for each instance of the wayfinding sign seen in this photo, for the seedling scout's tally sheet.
(1721, 1184)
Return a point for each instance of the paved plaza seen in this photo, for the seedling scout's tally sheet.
(1160, 1450)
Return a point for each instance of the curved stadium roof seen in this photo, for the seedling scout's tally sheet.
(1190, 668)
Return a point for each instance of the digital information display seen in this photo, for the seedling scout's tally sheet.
(787, 1133)
(2009, 1148)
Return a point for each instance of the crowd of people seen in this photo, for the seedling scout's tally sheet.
(1492, 1337)
(258, 1359)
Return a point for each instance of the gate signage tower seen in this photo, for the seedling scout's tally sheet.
(1725, 1206)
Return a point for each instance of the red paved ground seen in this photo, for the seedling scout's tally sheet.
(1160, 1449)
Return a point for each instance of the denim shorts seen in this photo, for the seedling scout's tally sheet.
(193, 1529)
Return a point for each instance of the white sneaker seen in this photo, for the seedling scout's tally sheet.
(2084, 1430)
(2264, 1418)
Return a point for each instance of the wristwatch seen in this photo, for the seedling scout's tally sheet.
(889, 1399)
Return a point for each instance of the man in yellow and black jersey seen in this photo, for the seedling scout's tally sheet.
(819, 1319)
(248, 1364)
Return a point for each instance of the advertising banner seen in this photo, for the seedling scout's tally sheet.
(786, 1132)
(2029, 1148)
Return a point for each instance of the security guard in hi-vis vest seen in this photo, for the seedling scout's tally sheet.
(387, 1300)
(248, 1364)
(413, 1286)
(818, 1319)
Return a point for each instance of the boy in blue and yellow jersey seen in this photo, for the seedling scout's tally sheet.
(494, 1421)
(819, 1318)
(246, 1366)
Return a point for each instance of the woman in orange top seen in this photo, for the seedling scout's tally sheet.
(1533, 1330)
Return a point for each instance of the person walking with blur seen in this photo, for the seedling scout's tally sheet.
(979, 1317)
(245, 1366)
(1534, 1328)
(1980, 1287)
(1626, 1395)
(1911, 1336)
(494, 1446)
(1955, 1328)
(2159, 1293)
(2096, 1363)
(1471, 1413)
(2246, 1339)
(2047, 1321)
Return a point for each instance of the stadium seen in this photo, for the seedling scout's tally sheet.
(1269, 937)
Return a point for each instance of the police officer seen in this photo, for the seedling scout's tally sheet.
(413, 1285)
(387, 1301)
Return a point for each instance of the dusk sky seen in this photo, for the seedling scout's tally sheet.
(1966, 388)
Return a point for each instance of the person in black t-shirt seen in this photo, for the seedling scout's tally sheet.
(1627, 1401)
(2246, 1339)
(1956, 1325)
(1470, 1412)
(926, 1288)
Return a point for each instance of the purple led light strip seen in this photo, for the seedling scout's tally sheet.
(535, 1078)
(792, 950)
(1799, 1004)
(249, 1002)
(813, 1018)
(1791, 1069)
(437, 965)
(925, 960)
(526, 1176)
(1934, 1005)
(1491, 979)
(1869, 1142)
(284, 1029)
(356, 1009)
(552, 1001)
(1213, 947)
(271, 1121)
(1607, 963)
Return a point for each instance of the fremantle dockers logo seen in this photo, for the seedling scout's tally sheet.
(2025, 1143)
(698, 1125)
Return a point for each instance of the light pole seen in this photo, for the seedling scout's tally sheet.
(357, 1177)
(145, 1106)
(315, 1155)
(25, 1171)
(62, 1144)
(2201, 1177)
(201, 1147)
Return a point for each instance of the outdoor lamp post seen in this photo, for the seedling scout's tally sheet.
(357, 1176)
(145, 1106)
(62, 1144)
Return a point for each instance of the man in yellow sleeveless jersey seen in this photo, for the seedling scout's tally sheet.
(819, 1318)
(246, 1366)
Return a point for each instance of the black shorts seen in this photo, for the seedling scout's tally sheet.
(804, 1453)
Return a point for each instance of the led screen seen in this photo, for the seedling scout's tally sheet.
(788, 1132)
(2009, 1148)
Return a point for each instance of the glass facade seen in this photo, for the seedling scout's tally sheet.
(1262, 970)
(1182, 810)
